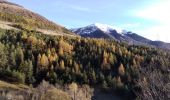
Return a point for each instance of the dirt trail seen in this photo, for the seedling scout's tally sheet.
(8, 26)
(50, 32)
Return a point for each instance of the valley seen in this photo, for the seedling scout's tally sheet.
(41, 60)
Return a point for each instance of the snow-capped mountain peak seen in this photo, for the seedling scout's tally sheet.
(102, 27)
(97, 26)
(106, 28)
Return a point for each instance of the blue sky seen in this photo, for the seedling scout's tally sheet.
(149, 18)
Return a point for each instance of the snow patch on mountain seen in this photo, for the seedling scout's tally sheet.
(107, 28)
(97, 26)
(84, 30)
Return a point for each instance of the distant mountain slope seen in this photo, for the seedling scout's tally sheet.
(17, 14)
(137, 37)
(110, 32)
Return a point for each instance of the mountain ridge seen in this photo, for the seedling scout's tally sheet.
(22, 17)
(112, 32)
(7, 2)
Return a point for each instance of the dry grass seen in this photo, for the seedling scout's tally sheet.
(23, 92)
(13, 86)
(6, 25)
(55, 94)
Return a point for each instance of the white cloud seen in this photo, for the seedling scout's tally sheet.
(158, 13)
(75, 7)
(159, 32)
(82, 9)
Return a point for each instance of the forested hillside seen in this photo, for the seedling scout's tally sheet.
(28, 57)
(40, 60)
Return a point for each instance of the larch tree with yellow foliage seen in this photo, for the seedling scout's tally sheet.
(121, 70)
